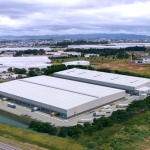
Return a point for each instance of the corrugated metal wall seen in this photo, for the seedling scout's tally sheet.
(95, 103)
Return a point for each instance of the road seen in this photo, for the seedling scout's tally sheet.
(7, 147)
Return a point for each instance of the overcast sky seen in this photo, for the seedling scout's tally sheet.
(43, 17)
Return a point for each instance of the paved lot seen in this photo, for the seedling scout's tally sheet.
(7, 147)
(58, 121)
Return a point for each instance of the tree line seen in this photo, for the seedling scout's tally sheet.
(30, 52)
(106, 51)
(78, 130)
(78, 42)
(56, 68)
(46, 71)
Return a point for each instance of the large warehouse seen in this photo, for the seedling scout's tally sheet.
(63, 97)
(79, 62)
(131, 84)
(24, 62)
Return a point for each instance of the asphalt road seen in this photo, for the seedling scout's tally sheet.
(7, 147)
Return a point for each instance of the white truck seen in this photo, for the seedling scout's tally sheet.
(121, 105)
(106, 107)
(105, 110)
(99, 114)
(85, 120)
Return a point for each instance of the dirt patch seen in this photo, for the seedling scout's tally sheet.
(106, 65)
(141, 69)
(122, 65)
(146, 140)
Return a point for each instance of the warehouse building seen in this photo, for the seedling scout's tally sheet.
(64, 98)
(131, 84)
(79, 62)
(24, 62)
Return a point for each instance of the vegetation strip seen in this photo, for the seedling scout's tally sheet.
(118, 116)
(21, 119)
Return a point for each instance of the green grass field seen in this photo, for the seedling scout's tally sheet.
(39, 139)
(135, 135)
(132, 134)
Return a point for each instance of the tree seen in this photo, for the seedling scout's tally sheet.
(32, 73)
(89, 130)
(53, 131)
(63, 132)
(19, 71)
(74, 132)
(99, 126)
(10, 69)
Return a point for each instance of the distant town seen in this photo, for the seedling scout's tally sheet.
(45, 43)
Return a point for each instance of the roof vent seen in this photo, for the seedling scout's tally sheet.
(134, 81)
(97, 75)
(71, 71)
(114, 78)
(81, 73)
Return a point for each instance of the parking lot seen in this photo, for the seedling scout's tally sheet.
(21, 110)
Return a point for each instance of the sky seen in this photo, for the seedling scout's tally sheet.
(48, 17)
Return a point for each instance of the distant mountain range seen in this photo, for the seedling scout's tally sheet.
(82, 36)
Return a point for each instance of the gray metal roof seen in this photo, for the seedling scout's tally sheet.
(56, 92)
(110, 78)
(73, 86)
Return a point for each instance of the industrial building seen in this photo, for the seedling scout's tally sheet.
(131, 84)
(24, 62)
(64, 98)
(75, 63)
(143, 60)
(91, 55)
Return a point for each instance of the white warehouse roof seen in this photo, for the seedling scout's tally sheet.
(51, 96)
(28, 65)
(25, 62)
(105, 79)
(38, 59)
(73, 86)
(60, 94)
(83, 63)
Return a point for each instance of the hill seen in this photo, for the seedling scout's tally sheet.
(80, 36)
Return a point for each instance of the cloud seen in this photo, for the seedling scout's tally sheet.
(40, 17)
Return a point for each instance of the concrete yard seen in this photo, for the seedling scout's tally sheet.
(20, 110)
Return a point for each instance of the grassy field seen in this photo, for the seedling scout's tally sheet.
(38, 139)
(110, 63)
(132, 134)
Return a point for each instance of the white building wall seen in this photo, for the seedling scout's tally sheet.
(94, 82)
(2, 69)
(82, 63)
(95, 103)
(146, 61)
(142, 85)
